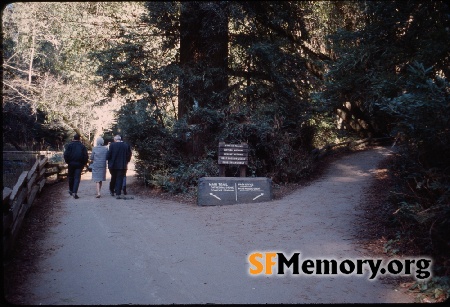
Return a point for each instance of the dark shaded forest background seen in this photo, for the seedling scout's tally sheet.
(288, 77)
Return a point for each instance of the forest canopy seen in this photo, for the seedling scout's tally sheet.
(176, 78)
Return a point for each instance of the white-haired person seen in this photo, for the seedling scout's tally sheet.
(98, 163)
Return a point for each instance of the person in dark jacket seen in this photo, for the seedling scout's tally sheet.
(76, 157)
(119, 154)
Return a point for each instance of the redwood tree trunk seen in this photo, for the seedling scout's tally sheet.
(203, 55)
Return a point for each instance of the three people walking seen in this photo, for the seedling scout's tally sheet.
(116, 157)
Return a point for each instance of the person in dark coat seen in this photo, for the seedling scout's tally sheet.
(76, 157)
(119, 154)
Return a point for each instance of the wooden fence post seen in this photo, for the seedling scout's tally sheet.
(18, 200)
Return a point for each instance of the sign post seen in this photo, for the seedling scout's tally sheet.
(217, 191)
(233, 154)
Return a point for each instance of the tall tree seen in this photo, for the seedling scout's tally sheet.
(203, 55)
(234, 71)
(373, 59)
(47, 64)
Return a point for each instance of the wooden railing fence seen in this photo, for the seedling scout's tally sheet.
(18, 200)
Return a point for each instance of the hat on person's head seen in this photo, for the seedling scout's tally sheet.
(76, 137)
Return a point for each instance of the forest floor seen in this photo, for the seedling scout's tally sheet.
(156, 248)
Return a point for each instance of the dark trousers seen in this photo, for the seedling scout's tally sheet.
(74, 174)
(117, 177)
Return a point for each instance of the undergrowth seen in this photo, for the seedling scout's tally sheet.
(419, 205)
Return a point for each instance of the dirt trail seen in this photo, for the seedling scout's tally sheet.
(153, 251)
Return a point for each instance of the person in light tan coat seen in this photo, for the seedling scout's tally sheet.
(98, 163)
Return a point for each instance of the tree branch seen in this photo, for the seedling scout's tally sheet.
(18, 92)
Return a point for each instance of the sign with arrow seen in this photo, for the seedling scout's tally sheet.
(213, 191)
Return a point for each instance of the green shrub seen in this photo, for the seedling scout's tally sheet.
(173, 155)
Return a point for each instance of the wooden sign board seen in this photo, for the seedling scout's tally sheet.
(233, 160)
(234, 154)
